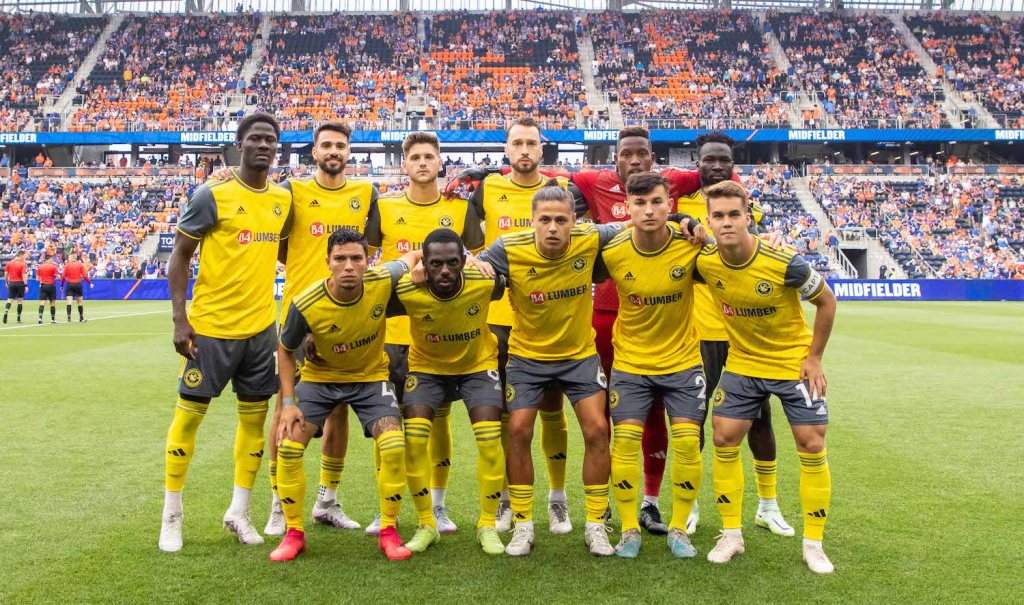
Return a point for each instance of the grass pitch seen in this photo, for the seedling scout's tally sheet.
(926, 399)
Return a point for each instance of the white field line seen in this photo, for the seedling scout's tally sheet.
(91, 320)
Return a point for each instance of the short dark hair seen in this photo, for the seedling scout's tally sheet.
(415, 138)
(442, 236)
(635, 131)
(552, 191)
(333, 126)
(715, 136)
(527, 121)
(347, 235)
(645, 182)
(255, 118)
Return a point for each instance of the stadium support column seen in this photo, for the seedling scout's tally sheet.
(134, 155)
(299, 6)
(774, 151)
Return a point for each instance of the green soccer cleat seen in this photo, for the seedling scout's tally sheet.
(425, 537)
(629, 545)
(490, 541)
(680, 545)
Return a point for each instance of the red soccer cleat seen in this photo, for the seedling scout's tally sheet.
(391, 544)
(293, 545)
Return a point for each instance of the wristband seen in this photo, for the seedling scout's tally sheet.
(288, 402)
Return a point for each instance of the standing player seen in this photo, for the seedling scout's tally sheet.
(452, 356)
(773, 353)
(71, 280)
(229, 332)
(14, 273)
(345, 314)
(47, 276)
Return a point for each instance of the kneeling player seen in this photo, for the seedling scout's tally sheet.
(772, 353)
(452, 356)
(345, 315)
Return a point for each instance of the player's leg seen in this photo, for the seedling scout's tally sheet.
(423, 394)
(713, 354)
(655, 454)
(503, 522)
(275, 521)
(81, 308)
(378, 414)
(761, 440)
(629, 399)
(482, 394)
(554, 441)
(441, 466)
(327, 509)
(591, 411)
(519, 466)
(70, 299)
(684, 396)
(398, 367)
(316, 404)
(7, 307)
(21, 300)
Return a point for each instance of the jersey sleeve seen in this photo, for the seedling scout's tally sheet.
(477, 199)
(697, 277)
(200, 214)
(372, 228)
(606, 232)
(396, 269)
(681, 182)
(286, 229)
(472, 232)
(499, 287)
(294, 330)
(804, 278)
(497, 256)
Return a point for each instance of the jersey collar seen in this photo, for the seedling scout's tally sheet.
(749, 261)
(462, 287)
(668, 243)
(326, 188)
(337, 302)
(266, 186)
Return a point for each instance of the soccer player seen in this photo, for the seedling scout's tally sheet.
(345, 314)
(71, 280)
(229, 332)
(656, 354)
(772, 353)
(551, 347)
(14, 273)
(46, 273)
(452, 356)
(398, 225)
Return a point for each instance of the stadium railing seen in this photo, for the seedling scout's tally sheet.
(87, 172)
(866, 170)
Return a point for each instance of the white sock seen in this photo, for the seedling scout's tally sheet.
(239, 501)
(809, 542)
(326, 495)
(556, 495)
(695, 510)
(733, 532)
(172, 502)
(525, 524)
(504, 499)
(275, 501)
(652, 500)
(437, 496)
(766, 504)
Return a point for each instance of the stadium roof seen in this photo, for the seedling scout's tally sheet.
(178, 6)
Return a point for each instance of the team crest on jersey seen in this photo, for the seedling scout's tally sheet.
(510, 392)
(472, 310)
(277, 209)
(410, 383)
(445, 222)
(718, 398)
(613, 399)
(354, 204)
(377, 312)
(677, 273)
(579, 264)
(764, 288)
(193, 378)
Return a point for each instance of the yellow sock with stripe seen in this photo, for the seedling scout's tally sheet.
(331, 469)
(273, 477)
(728, 483)
(554, 441)
(391, 479)
(490, 469)
(686, 473)
(417, 467)
(767, 478)
(521, 497)
(291, 482)
(626, 472)
(441, 449)
(181, 442)
(504, 447)
(815, 492)
(249, 441)
(595, 500)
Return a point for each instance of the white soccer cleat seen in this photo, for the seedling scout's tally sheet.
(503, 521)
(692, 520)
(444, 523)
(170, 532)
(521, 543)
(241, 525)
(728, 546)
(333, 515)
(816, 559)
(373, 529)
(558, 518)
(771, 519)
(596, 539)
(275, 523)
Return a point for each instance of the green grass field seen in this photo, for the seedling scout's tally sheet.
(925, 447)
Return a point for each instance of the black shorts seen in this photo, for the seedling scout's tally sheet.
(74, 290)
(48, 292)
(16, 289)
(249, 364)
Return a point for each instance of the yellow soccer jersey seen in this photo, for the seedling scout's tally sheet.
(348, 336)
(760, 301)
(708, 314)
(505, 207)
(551, 296)
(397, 225)
(240, 230)
(655, 331)
(317, 212)
(450, 336)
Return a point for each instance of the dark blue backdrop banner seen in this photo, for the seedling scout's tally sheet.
(125, 289)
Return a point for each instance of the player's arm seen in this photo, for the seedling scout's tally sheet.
(471, 177)
(395, 306)
(293, 333)
(499, 287)
(583, 183)
(497, 257)
(812, 287)
(372, 228)
(476, 200)
(472, 230)
(199, 216)
(286, 231)
(579, 203)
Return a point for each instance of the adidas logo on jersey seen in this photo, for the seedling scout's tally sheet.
(615, 189)
(532, 271)
(314, 204)
(400, 221)
(428, 318)
(240, 210)
(629, 275)
(720, 285)
(334, 328)
(503, 198)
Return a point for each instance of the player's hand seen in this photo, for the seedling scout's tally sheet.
(91, 285)
(484, 267)
(812, 372)
(694, 232)
(185, 339)
(309, 351)
(466, 181)
(220, 174)
(418, 274)
(291, 422)
(775, 239)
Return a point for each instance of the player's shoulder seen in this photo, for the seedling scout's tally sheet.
(520, 238)
(310, 296)
(474, 275)
(378, 273)
(709, 250)
(620, 238)
(782, 255)
(406, 285)
(584, 229)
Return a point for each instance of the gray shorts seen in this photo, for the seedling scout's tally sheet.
(476, 389)
(741, 397)
(632, 395)
(527, 380)
(398, 367)
(248, 363)
(371, 401)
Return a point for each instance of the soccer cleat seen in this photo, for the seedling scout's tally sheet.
(53, 321)
(771, 519)
(170, 532)
(275, 523)
(242, 526)
(650, 520)
(503, 521)
(293, 545)
(81, 320)
(596, 539)
(424, 538)
(728, 546)
(373, 529)
(680, 545)
(333, 515)
(444, 524)
(629, 545)
(489, 540)
(692, 520)
(40, 322)
(558, 518)
(816, 559)
(521, 543)
(389, 542)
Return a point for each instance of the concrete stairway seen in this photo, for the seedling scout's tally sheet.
(63, 103)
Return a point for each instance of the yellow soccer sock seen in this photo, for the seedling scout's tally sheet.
(391, 479)
(291, 482)
(595, 499)
(490, 469)
(815, 492)
(521, 497)
(181, 442)
(441, 447)
(687, 471)
(504, 445)
(766, 473)
(727, 470)
(417, 467)
(273, 477)
(376, 458)
(554, 441)
(626, 472)
(249, 441)
(331, 470)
